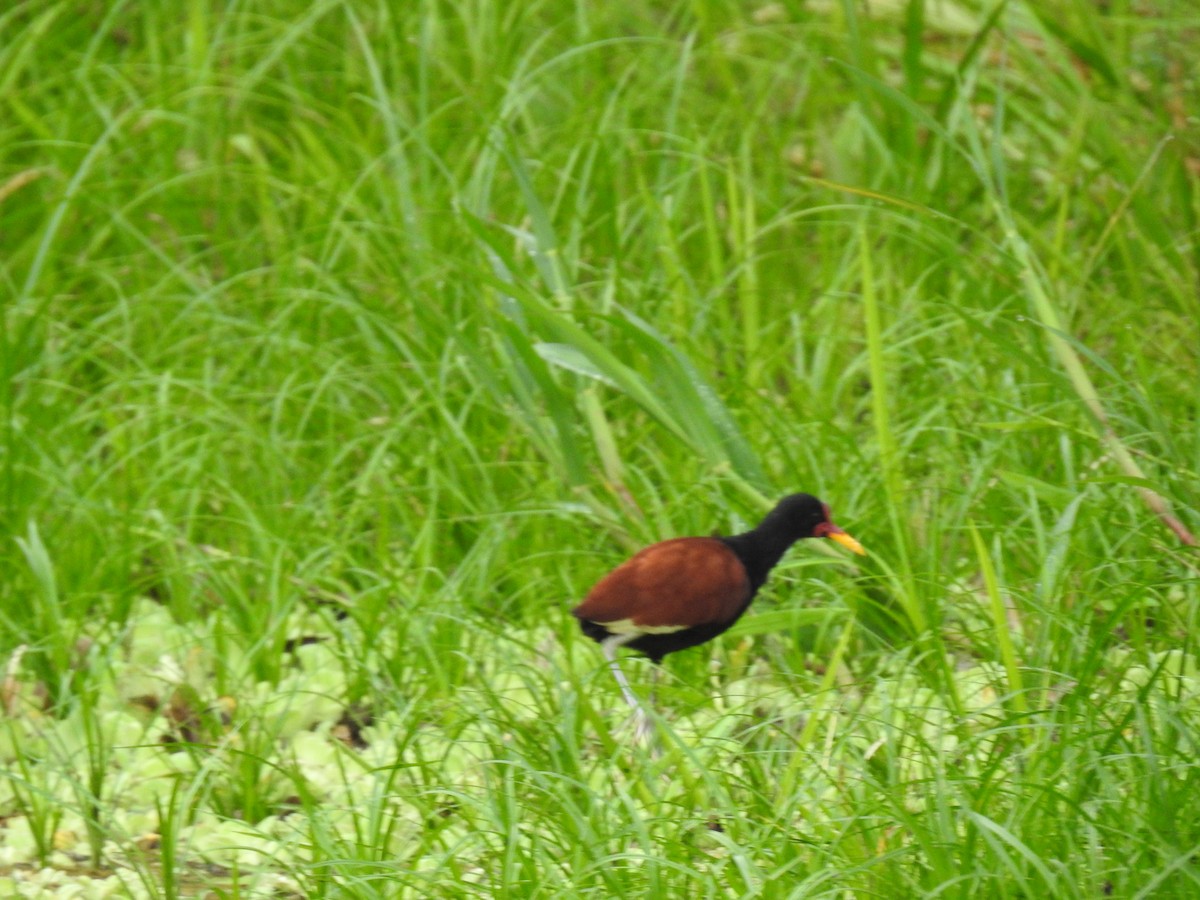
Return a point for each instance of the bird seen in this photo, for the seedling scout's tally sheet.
(685, 591)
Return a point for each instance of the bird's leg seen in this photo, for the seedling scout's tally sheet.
(645, 726)
(609, 645)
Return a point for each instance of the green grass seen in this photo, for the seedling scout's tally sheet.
(345, 344)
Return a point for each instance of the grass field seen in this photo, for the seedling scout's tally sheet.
(346, 343)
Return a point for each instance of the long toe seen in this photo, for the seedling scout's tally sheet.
(643, 727)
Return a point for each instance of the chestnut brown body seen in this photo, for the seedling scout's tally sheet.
(673, 595)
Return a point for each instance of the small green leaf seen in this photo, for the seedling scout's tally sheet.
(572, 359)
(781, 620)
(1051, 493)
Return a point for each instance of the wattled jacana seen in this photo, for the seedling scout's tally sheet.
(679, 593)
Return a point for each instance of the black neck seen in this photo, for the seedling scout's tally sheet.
(759, 550)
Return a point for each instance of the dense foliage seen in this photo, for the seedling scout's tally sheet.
(346, 343)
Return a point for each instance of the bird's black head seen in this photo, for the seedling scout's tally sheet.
(804, 516)
(796, 516)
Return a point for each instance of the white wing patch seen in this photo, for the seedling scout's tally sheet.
(627, 626)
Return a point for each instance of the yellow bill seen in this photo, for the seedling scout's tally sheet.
(848, 542)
